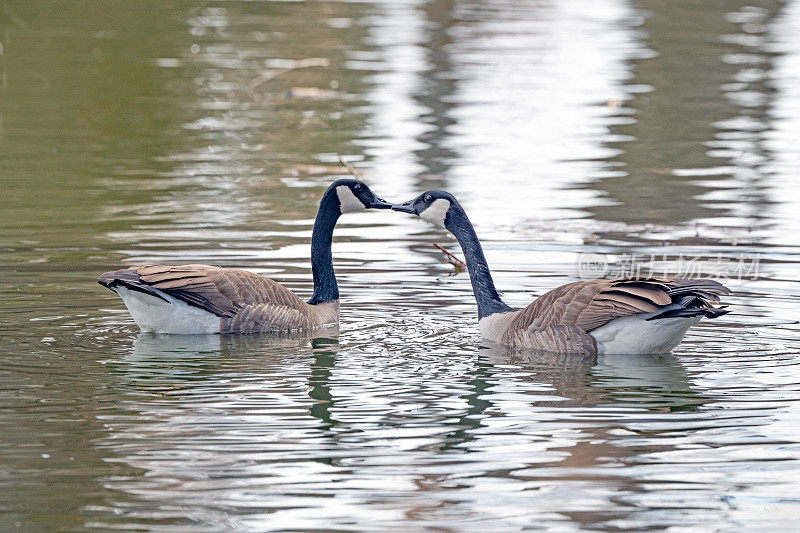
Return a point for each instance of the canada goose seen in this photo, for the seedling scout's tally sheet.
(189, 299)
(602, 316)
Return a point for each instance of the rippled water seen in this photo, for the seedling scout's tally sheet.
(185, 131)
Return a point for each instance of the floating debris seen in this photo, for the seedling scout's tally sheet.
(311, 93)
(457, 263)
(314, 170)
(353, 172)
(290, 66)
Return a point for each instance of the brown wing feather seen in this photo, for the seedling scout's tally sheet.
(705, 289)
(589, 305)
(221, 291)
(555, 339)
(256, 318)
(650, 292)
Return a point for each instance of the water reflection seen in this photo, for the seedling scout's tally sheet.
(436, 93)
(528, 97)
(669, 173)
(673, 119)
(659, 383)
(783, 124)
(360, 432)
(226, 181)
(320, 385)
(185, 132)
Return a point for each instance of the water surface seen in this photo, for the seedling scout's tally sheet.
(185, 131)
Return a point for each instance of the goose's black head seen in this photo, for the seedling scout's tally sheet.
(355, 195)
(433, 206)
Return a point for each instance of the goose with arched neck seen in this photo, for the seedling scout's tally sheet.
(626, 315)
(195, 298)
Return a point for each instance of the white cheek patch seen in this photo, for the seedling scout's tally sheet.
(436, 212)
(347, 200)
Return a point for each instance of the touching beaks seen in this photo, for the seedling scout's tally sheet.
(379, 203)
(405, 207)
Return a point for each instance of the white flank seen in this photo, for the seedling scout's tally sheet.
(436, 212)
(493, 326)
(157, 316)
(633, 335)
(347, 200)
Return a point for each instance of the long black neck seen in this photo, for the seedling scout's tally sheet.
(325, 287)
(486, 295)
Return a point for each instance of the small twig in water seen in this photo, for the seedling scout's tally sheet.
(353, 172)
(274, 73)
(453, 260)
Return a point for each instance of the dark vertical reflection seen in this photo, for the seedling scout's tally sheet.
(320, 387)
(435, 93)
(674, 122)
(467, 423)
(319, 382)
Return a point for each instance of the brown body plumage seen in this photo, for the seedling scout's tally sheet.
(564, 319)
(243, 301)
(620, 316)
(188, 299)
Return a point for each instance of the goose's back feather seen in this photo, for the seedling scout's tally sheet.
(556, 339)
(222, 291)
(245, 302)
(564, 319)
(592, 304)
